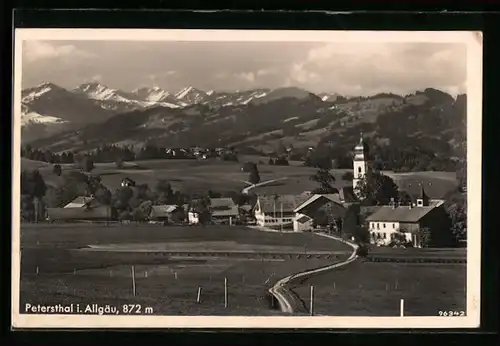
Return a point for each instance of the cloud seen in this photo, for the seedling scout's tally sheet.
(265, 72)
(247, 76)
(370, 68)
(43, 50)
(351, 68)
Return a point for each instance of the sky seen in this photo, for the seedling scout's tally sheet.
(349, 69)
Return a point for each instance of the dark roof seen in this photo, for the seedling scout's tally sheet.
(98, 213)
(289, 202)
(223, 207)
(434, 188)
(399, 214)
(318, 199)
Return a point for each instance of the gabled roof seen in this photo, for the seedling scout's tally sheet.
(98, 213)
(223, 207)
(399, 214)
(287, 203)
(80, 202)
(162, 210)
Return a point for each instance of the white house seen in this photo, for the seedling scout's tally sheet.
(193, 217)
(277, 211)
(404, 221)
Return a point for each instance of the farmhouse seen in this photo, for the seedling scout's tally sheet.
(329, 205)
(83, 202)
(392, 222)
(167, 213)
(100, 213)
(277, 211)
(223, 210)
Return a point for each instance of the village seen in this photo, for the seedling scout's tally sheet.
(408, 222)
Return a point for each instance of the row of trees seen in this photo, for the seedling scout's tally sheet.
(128, 203)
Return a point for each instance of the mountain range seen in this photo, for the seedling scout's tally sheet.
(260, 120)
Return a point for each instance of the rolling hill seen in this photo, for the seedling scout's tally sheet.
(288, 117)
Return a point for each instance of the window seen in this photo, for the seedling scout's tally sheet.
(393, 225)
(359, 169)
(383, 225)
(378, 225)
(384, 235)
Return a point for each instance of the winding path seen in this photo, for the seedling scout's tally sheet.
(285, 298)
(251, 186)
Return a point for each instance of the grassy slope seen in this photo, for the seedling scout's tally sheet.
(375, 289)
(201, 176)
(67, 276)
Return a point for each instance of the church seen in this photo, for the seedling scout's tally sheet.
(361, 162)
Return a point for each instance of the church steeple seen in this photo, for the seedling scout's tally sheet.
(360, 161)
(423, 199)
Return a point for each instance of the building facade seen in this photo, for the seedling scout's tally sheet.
(404, 223)
(277, 212)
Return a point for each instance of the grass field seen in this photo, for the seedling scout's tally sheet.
(203, 175)
(375, 289)
(53, 271)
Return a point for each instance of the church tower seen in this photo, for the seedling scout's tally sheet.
(361, 162)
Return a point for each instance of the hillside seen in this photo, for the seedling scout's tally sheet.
(421, 131)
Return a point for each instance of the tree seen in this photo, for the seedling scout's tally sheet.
(254, 176)
(87, 164)
(119, 163)
(325, 180)
(376, 189)
(57, 170)
(202, 207)
(32, 184)
(457, 212)
(425, 237)
(103, 195)
(121, 198)
(166, 194)
(404, 198)
(361, 235)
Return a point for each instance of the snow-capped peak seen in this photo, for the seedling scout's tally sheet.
(210, 92)
(181, 94)
(191, 95)
(29, 116)
(29, 95)
(101, 92)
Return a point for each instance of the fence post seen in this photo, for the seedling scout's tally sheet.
(311, 307)
(37, 270)
(198, 297)
(402, 307)
(225, 292)
(133, 280)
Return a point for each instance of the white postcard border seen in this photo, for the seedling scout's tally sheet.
(473, 41)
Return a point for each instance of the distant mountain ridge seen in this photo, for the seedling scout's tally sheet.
(93, 102)
(286, 117)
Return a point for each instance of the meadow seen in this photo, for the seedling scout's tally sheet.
(191, 176)
(375, 289)
(55, 269)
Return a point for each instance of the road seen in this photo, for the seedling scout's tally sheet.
(262, 183)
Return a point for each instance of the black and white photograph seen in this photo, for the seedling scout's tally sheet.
(246, 179)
